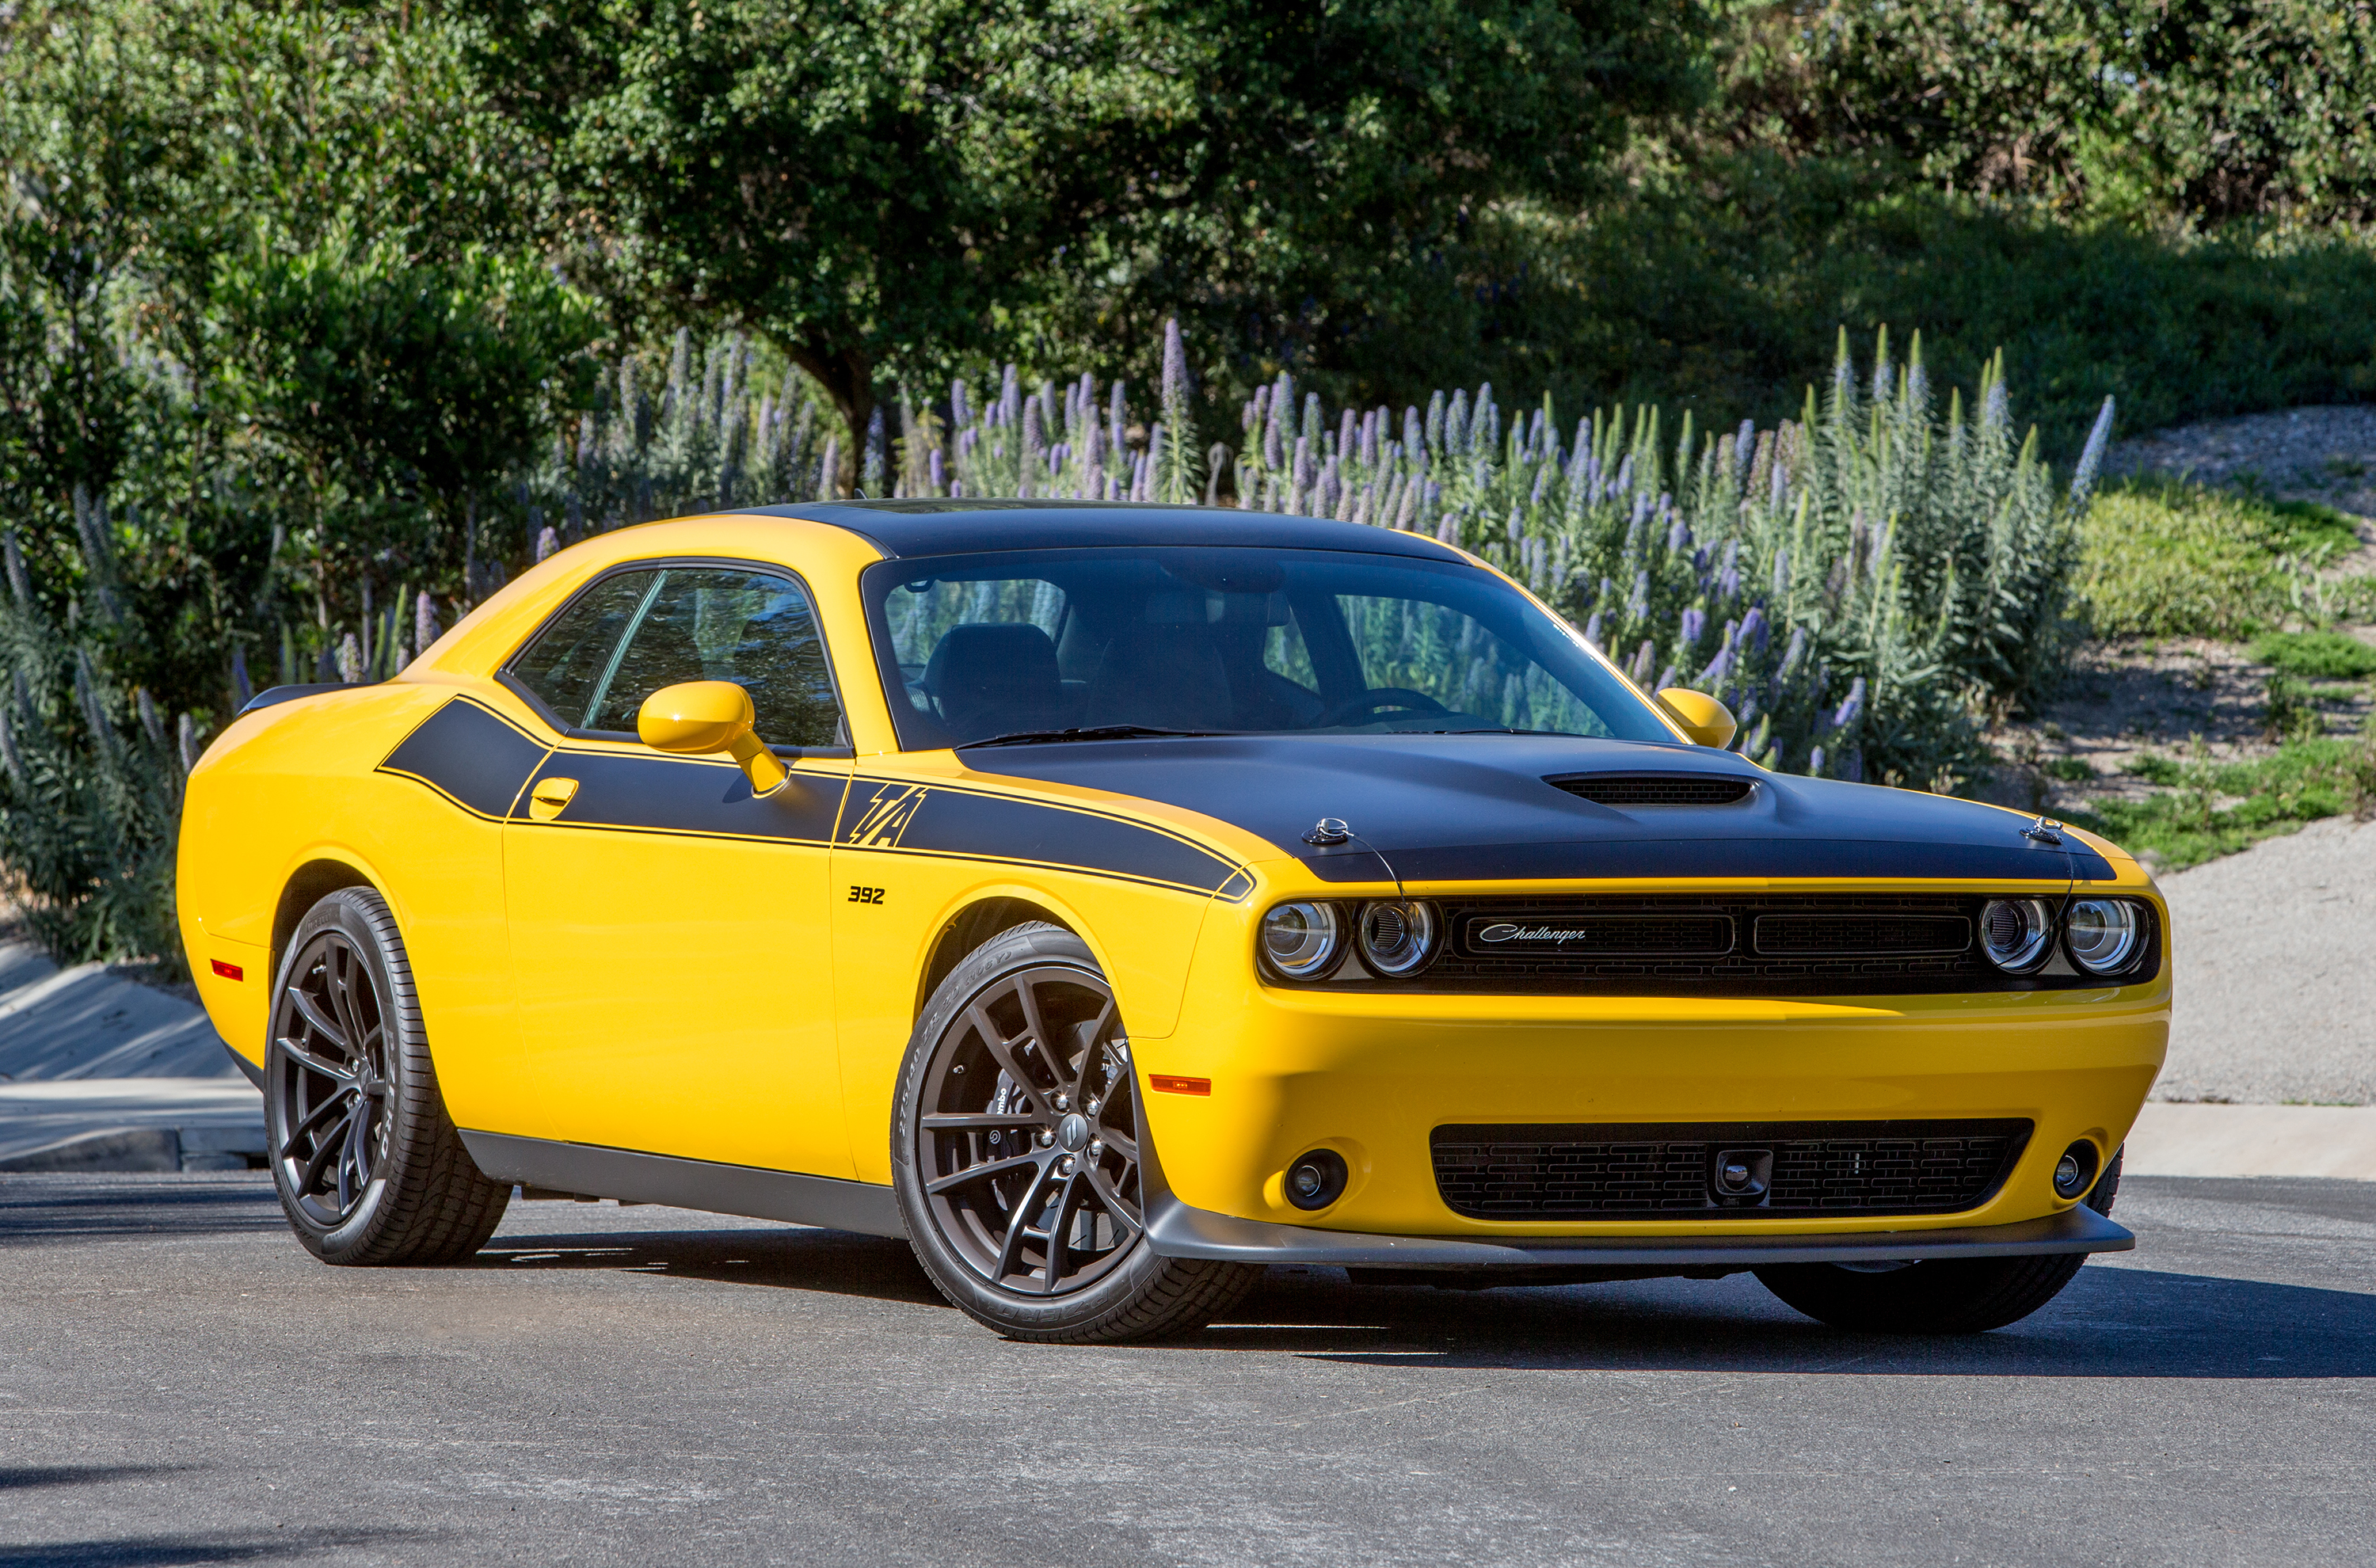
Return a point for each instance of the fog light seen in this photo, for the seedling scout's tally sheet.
(1741, 1177)
(1317, 1178)
(2076, 1171)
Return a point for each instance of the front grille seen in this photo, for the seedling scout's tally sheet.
(1746, 944)
(1654, 789)
(1656, 1170)
(1850, 934)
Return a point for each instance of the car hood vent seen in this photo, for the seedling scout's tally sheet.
(1656, 789)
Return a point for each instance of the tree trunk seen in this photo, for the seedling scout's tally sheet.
(848, 377)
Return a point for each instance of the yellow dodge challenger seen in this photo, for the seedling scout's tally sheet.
(1112, 901)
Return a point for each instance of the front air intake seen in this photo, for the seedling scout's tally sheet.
(1654, 789)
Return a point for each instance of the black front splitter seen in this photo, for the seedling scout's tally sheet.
(1178, 1231)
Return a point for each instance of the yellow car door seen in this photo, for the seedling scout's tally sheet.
(669, 926)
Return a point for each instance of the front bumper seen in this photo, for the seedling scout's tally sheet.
(1177, 1230)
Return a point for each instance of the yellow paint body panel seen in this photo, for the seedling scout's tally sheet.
(735, 999)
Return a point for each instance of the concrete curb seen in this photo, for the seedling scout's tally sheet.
(97, 1125)
(2253, 1140)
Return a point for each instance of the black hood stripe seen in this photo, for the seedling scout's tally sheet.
(1482, 808)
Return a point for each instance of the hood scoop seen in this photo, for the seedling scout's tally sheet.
(1656, 789)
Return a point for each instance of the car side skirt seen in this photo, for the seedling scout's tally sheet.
(632, 1177)
(1178, 1231)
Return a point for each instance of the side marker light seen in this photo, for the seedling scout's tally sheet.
(228, 971)
(1164, 1083)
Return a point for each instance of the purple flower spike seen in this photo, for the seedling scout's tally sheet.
(938, 469)
(1849, 710)
(1815, 763)
(1694, 623)
(1592, 629)
(1754, 633)
(1175, 370)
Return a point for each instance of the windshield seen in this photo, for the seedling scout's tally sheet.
(1203, 640)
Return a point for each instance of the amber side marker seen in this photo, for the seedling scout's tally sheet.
(228, 971)
(1164, 1083)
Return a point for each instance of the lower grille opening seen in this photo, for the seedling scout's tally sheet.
(1677, 1171)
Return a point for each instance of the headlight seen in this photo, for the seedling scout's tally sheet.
(1300, 940)
(1397, 937)
(2015, 932)
(2102, 934)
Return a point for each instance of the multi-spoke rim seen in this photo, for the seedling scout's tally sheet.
(330, 1086)
(1027, 1141)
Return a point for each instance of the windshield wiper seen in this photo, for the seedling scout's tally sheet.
(1498, 730)
(1095, 732)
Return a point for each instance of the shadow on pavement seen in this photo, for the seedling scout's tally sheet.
(26, 1476)
(2110, 1322)
(788, 1257)
(41, 1209)
(157, 1552)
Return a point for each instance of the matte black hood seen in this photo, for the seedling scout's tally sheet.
(1478, 808)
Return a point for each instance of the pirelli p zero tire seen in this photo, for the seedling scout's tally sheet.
(368, 1165)
(1017, 1152)
(1967, 1296)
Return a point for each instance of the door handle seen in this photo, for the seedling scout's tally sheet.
(546, 797)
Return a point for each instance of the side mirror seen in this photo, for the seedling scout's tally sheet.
(697, 718)
(1707, 721)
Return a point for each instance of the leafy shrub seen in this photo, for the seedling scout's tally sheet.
(1854, 582)
(90, 789)
(2318, 656)
(1715, 287)
(2164, 558)
(2070, 769)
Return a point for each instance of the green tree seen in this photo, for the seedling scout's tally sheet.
(888, 187)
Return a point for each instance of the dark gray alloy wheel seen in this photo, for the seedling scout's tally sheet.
(1017, 1154)
(368, 1165)
(1965, 1295)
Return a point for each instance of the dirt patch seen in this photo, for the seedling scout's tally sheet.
(2327, 455)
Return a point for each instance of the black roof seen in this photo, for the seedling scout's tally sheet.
(909, 529)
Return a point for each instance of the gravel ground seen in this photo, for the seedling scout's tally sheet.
(2270, 1011)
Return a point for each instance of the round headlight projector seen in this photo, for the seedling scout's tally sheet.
(2016, 933)
(1300, 940)
(2101, 934)
(1398, 935)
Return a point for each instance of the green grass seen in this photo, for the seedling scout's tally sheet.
(2163, 558)
(2317, 656)
(2186, 826)
(1721, 289)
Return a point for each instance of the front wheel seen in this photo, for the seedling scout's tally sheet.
(1017, 1154)
(1949, 1296)
(366, 1158)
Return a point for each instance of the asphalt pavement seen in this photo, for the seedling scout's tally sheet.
(180, 1384)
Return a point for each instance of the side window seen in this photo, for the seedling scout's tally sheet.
(719, 623)
(566, 663)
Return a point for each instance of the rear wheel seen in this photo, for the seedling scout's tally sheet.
(1958, 1296)
(1017, 1154)
(367, 1163)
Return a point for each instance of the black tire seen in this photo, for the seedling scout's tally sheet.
(366, 1162)
(1958, 1296)
(1030, 1016)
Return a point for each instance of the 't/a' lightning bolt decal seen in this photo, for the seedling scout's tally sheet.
(885, 816)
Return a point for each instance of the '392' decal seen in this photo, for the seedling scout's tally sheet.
(866, 895)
